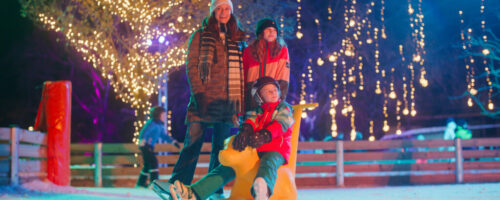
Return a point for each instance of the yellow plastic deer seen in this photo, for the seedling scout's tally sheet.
(246, 164)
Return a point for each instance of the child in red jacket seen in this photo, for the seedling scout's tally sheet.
(269, 129)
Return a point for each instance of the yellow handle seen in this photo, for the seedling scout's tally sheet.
(304, 106)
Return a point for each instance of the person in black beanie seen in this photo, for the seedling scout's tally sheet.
(153, 130)
(267, 55)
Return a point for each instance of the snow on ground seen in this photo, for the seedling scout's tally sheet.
(47, 190)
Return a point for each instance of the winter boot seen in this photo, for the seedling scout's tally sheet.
(141, 181)
(153, 175)
(260, 189)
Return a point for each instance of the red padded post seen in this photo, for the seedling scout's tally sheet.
(54, 118)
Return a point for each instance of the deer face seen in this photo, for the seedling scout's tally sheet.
(232, 158)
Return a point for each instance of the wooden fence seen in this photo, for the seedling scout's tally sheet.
(23, 155)
(319, 164)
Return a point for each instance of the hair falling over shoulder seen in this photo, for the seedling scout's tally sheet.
(233, 27)
(258, 47)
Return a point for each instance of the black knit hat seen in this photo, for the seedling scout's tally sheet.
(265, 23)
(155, 112)
(259, 84)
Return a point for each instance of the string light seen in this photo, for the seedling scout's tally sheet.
(330, 12)
(382, 19)
(319, 61)
(299, 23)
(130, 43)
(169, 124)
(362, 32)
(308, 81)
(471, 64)
(370, 130)
(491, 106)
(418, 37)
(125, 58)
(469, 67)
(333, 96)
(282, 25)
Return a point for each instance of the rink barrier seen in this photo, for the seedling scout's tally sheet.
(360, 163)
(23, 155)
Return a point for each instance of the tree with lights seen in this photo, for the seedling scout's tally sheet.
(133, 43)
(484, 85)
(481, 55)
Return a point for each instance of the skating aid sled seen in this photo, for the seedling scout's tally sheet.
(162, 189)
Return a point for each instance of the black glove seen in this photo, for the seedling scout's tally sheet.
(259, 138)
(241, 140)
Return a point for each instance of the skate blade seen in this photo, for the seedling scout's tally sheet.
(162, 189)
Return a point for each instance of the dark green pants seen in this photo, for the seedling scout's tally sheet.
(270, 161)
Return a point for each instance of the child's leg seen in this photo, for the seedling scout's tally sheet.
(143, 177)
(270, 161)
(153, 171)
(206, 186)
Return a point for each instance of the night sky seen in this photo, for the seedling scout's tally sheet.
(30, 56)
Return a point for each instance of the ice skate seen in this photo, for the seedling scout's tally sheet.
(162, 189)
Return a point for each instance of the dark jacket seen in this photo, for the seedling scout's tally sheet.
(209, 101)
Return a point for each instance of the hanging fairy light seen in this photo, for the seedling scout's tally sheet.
(330, 12)
(282, 25)
(333, 96)
(319, 61)
(471, 63)
(360, 47)
(371, 138)
(307, 79)
(490, 106)
(310, 81)
(382, 19)
(418, 36)
(469, 67)
(299, 34)
(169, 124)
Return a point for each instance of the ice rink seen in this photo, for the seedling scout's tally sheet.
(44, 190)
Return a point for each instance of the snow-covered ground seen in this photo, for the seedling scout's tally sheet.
(46, 190)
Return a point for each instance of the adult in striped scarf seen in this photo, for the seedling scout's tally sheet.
(215, 74)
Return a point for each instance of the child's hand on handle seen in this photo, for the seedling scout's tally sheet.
(241, 140)
(260, 137)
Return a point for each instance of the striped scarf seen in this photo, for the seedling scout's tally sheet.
(235, 73)
(208, 57)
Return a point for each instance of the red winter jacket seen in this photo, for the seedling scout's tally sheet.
(277, 67)
(276, 118)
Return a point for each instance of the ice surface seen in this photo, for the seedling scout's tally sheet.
(47, 190)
